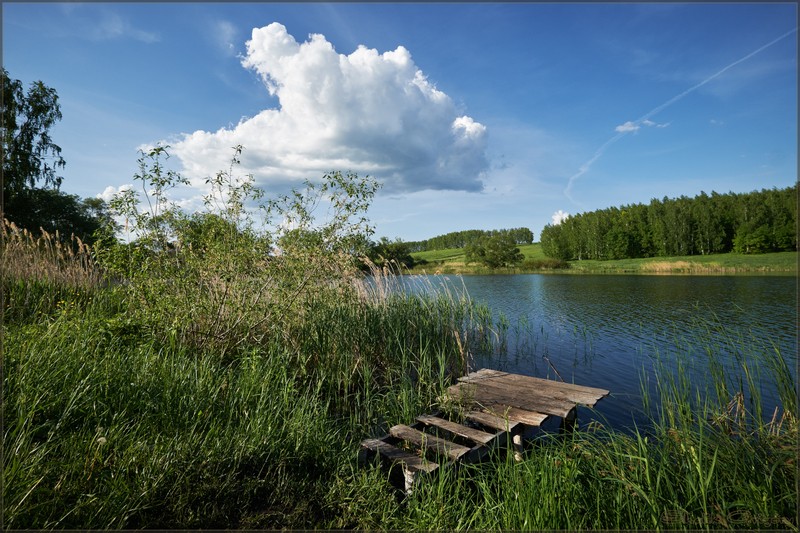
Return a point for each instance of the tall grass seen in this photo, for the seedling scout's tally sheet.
(41, 273)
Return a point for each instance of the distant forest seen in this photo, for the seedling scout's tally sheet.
(755, 222)
(460, 239)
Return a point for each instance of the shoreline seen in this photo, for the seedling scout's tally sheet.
(773, 264)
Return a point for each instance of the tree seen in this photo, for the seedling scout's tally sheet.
(498, 250)
(29, 154)
(554, 242)
(53, 210)
(391, 253)
(31, 196)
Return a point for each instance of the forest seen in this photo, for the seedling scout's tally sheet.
(460, 239)
(749, 223)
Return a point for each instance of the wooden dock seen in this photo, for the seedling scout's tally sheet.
(490, 409)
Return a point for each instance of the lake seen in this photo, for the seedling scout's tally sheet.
(606, 330)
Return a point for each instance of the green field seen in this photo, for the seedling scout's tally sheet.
(452, 261)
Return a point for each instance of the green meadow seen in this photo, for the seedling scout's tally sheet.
(452, 261)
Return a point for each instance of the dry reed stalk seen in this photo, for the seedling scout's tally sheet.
(46, 257)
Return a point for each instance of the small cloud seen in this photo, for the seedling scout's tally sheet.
(630, 126)
(559, 217)
(650, 123)
(627, 127)
(109, 192)
(716, 122)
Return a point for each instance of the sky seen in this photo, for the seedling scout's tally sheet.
(470, 115)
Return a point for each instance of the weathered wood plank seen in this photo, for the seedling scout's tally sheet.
(492, 421)
(576, 393)
(475, 435)
(487, 395)
(512, 391)
(411, 461)
(529, 418)
(450, 449)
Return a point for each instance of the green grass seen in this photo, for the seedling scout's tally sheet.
(115, 418)
(716, 263)
(452, 261)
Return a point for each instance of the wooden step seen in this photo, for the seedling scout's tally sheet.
(430, 442)
(412, 466)
(483, 441)
(493, 421)
(413, 462)
(475, 435)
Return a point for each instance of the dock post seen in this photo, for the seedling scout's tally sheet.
(518, 449)
(568, 422)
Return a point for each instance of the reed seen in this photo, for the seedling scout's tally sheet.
(42, 273)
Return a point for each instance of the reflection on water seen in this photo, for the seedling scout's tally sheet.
(605, 330)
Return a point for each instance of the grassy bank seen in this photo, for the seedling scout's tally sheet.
(452, 261)
(190, 397)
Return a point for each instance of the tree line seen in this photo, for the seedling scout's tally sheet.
(461, 239)
(755, 222)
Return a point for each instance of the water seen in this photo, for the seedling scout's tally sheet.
(605, 330)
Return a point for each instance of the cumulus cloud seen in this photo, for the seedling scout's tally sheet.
(368, 112)
(559, 217)
(108, 193)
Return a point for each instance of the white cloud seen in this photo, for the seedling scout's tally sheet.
(630, 126)
(109, 192)
(366, 112)
(559, 217)
(627, 127)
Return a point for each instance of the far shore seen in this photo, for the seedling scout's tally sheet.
(453, 262)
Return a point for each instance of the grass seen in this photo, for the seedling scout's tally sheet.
(452, 261)
(730, 263)
(116, 418)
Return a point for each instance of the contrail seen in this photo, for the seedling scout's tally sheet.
(600, 151)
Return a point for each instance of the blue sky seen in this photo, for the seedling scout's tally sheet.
(473, 116)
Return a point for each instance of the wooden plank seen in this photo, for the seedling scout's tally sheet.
(488, 395)
(492, 421)
(516, 391)
(577, 393)
(475, 435)
(413, 462)
(451, 449)
(488, 374)
(529, 418)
